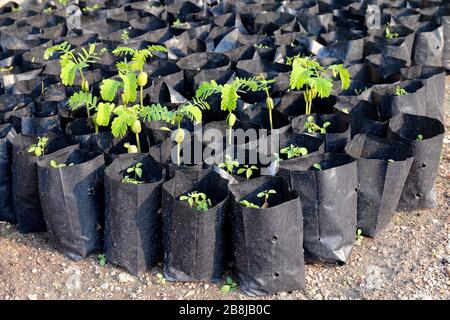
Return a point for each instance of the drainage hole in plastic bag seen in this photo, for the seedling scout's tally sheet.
(91, 191)
(274, 238)
(276, 275)
(418, 195)
(423, 165)
(357, 187)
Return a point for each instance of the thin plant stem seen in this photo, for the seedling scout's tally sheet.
(230, 135)
(178, 154)
(87, 106)
(138, 142)
(270, 119)
(179, 144)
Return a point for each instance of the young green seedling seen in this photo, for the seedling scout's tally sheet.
(47, 10)
(131, 148)
(102, 259)
(127, 116)
(261, 46)
(229, 286)
(91, 8)
(312, 127)
(229, 164)
(6, 69)
(125, 35)
(317, 80)
(266, 194)
(39, 148)
(359, 91)
(137, 171)
(293, 151)
(248, 170)
(229, 96)
(177, 23)
(152, 5)
(399, 91)
(57, 165)
(160, 278)
(419, 137)
(71, 63)
(139, 58)
(359, 237)
(264, 84)
(197, 199)
(389, 34)
(317, 166)
(249, 204)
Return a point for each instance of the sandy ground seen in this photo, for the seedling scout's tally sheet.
(409, 260)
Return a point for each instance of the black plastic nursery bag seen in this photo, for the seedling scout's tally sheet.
(72, 200)
(267, 243)
(424, 136)
(446, 49)
(433, 79)
(364, 118)
(429, 45)
(36, 126)
(193, 240)
(133, 224)
(383, 166)
(6, 205)
(329, 203)
(25, 188)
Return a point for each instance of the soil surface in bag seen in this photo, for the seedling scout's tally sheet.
(118, 149)
(25, 188)
(238, 164)
(267, 243)
(293, 104)
(312, 144)
(329, 204)
(424, 136)
(337, 132)
(164, 152)
(383, 166)
(72, 200)
(194, 240)
(133, 224)
(6, 207)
